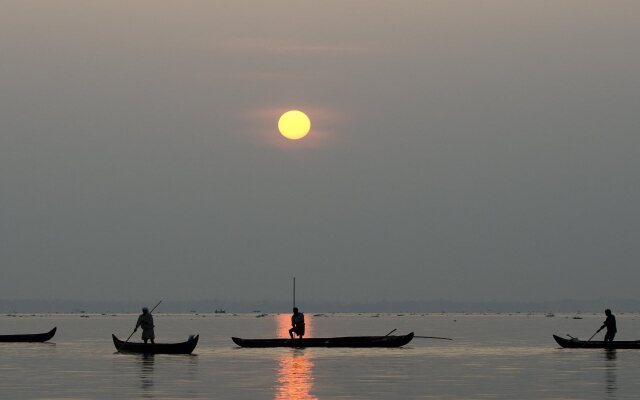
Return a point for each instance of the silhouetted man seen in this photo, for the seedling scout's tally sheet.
(297, 323)
(145, 321)
(610, 324)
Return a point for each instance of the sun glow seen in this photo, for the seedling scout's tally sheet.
(295, 371)
(295, 377)
(294, 124)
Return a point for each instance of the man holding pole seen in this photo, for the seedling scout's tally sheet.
(297, 323)
(610, 324)
(145, 321)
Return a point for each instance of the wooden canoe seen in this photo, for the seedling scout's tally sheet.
(348, 341)
(34, 337)
(157, 348)
(596, 344)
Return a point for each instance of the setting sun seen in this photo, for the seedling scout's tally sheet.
(294, 124)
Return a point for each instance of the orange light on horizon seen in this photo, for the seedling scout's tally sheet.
(284, 324)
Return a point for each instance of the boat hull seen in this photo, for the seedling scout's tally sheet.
(157, 348)
(348, 341)
(596, 344)
(30, 338)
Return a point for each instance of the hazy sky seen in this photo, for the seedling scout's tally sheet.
(463, 150)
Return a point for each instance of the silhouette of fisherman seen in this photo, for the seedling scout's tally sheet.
(297, 323)
(145, 321)
(610, 324)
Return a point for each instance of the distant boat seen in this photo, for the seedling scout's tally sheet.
(596, 344)
(36, 337)
(219, 311)
(157, 348)
(348, 341)
(550, 315)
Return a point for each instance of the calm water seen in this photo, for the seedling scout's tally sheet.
(492, 357)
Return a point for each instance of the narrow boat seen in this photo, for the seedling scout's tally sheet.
(157, 348)
(34, 337)
(348, 341)
(596, 344)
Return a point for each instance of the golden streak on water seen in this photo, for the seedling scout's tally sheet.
(295, 368)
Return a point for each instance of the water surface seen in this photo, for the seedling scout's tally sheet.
(492, 357)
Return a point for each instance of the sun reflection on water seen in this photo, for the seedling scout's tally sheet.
(295, 368)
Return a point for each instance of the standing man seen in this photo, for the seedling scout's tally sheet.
(297, 323)
(610, 324)
(145, 321)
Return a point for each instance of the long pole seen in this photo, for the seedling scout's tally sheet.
(294, 292)
(433, 337)
(593, 335)
(134, 330)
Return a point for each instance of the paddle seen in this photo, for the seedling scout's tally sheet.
(391, 332)
(593, 335)
(134, 330)
(432, 337)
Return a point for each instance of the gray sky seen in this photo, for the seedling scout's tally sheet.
(463, 150)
